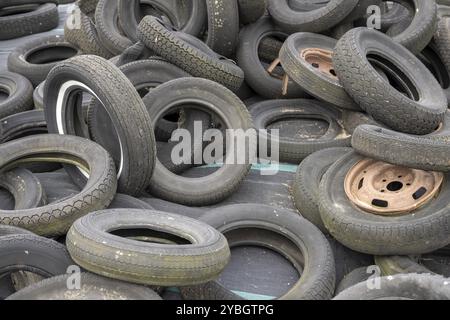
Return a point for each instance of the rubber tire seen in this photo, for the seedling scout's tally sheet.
(251, 10)
(87, 6)
(378, 235)
(353, 119)
(370, 90)
(215, 187)
(422, 28)
(10, 230)
(86, 37)
(11, 3)
(401, 287)
(442, 43)
(317, 84)
(123, 201)
(34, 254)
(93, 287)
(19, 91)
(393, 265)
(248, 59)
(25, 187)
(148, 263)
(37, 72)
(142, 74)
(401, 149)
(55, 219)
(43, 18)
(38, 96)
(353, 278)
(294, 150)
(126, 111)
(194, 61)
(317, 20)
(223, 26)
(254, 237)
(129, 12)
(108, 28)
(305, 189)
(318, 277)
(22, 124)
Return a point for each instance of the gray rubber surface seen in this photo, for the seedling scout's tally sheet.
(8, 45)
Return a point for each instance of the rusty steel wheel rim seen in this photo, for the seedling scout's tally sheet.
(320, 59)
(387, 190)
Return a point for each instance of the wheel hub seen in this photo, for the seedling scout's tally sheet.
(388, 190)
(320, 59)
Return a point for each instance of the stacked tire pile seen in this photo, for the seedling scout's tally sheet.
(370, 135)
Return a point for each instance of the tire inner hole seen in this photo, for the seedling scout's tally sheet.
(50, 55)
(4, 94)
(150, 236)
(13, 10)
(300, 128)
(395, 76)
(247, 275)
(433, 61)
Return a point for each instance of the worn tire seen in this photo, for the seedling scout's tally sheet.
(305, 189)
(36, 58)
(192, 60)
(215, 98)
(317, 20)
(123, 201)
(420, 112)
(108, 29)
(291, 149)
(93, 287)
(19, 91)
(199, 260)
(392, 265)
(38, 19)
(223, 26)
(86, 37)
(129, 13)
(6, 230)
(353, 278)
(251, 10)
(255, 72)
(422, 28)
(316, 83)
(401, 287)
(424, 231)
(318, 276)
(125, 108)
(31, 253)
(25, 188)
(402, 149)
(56, 218)
(144, 75)
(442, 43)
(22, 124)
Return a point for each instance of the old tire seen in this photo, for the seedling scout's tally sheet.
(19, 91)
(36, 58)
(305, 188)
(125, 108)
(202, 257)
(56, 218)
(419, 112)
(380, 235)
